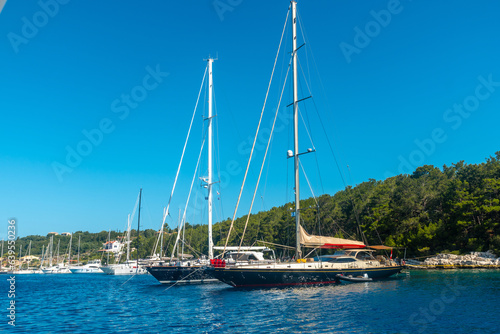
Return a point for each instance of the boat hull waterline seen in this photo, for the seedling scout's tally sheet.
(181, 275)
(262, 277)
(86, 271)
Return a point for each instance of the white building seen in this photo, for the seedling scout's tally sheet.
(112, 247)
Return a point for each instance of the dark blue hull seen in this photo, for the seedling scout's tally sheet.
(181, 274)
(264, 277)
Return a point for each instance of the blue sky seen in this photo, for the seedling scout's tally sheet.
(400, 84)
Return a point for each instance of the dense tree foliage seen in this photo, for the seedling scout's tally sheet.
(456, 208)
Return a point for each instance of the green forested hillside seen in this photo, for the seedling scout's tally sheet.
(456, 208)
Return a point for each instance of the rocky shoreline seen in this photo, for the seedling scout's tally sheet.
(451, 261)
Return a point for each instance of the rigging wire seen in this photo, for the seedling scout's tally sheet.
(184, 149)
(265, 155)
(326, 135)
(302, 31)
(308, 183)
(336, 161)
(306, 128)
(183, 221)
(309, 126)
(160, 237)
(327, 102)
(255, 138)
(218, 161)
(168, 245)
(265, 182)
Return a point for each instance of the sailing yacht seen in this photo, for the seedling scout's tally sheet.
(27, 270)
(129, 267)
(182, 270)
(356, 262)
(61, 267)
(92, 267)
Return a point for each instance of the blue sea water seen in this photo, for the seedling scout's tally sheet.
(454, 301)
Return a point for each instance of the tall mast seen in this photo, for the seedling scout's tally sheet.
(69, 250)
(51, 250)
(161, 231)
(1, 256)
(20, 255)
(179, 232)
(78, 250)
(298, 252)
(29, 255)
(138, 227)
(58, 244)
(43, 256)
(109, 244)
(183, 240)
(128, 238)
(210, 144)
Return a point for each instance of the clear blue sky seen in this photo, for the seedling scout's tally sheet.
(403, 84)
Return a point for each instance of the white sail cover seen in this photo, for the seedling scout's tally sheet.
(317, 241)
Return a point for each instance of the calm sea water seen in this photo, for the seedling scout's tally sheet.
(422, 302)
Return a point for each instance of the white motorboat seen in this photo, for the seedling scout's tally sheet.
(127, 268)
(92, 267)
(61, 268)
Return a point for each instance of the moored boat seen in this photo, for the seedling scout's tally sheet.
(181, 270)
(61, 268)
(129, 267)
(92, 267)
(126, 268)
(356, 262)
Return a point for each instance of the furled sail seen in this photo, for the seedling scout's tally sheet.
(317, 241)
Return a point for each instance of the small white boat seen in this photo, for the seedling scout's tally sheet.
(59, 269)
(350, 278)
(25, 272)
(92, 267)
(127, 268)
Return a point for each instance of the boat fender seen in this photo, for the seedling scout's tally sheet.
(218, 263)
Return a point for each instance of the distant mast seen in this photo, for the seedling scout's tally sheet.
(128, 238)
(69, 250)
(78, 250)
(138, 228)
(298, 252)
